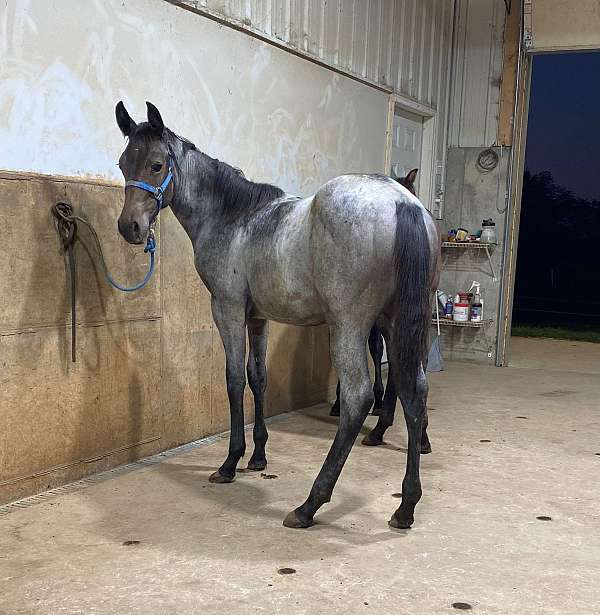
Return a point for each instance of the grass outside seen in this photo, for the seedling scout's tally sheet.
(579, 333)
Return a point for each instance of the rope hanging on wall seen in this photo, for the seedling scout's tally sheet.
(67, 230)
(66, 225)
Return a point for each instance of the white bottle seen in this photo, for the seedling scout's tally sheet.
(476, 314)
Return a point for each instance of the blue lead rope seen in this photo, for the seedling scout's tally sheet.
(151, 249)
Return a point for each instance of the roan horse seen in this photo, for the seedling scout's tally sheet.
(361, 250)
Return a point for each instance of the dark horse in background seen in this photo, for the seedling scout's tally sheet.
(384, 405)
(361, 251)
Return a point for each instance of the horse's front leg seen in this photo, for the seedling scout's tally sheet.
(231, 322)
(257, 378)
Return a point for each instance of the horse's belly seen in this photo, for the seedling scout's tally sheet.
(286, 302)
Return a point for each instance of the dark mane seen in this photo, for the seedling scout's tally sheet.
(239, 197)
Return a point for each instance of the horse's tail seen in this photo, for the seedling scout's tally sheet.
(412, 299)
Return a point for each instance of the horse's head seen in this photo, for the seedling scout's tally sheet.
(409, 181)
(146, 165)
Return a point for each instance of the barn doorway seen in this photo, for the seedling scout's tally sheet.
(556, 295)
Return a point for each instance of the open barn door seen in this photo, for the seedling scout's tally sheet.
(547, 26)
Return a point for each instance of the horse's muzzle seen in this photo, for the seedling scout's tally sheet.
(130, 231)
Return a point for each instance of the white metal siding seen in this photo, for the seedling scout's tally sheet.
(477, 72)
(396, 44)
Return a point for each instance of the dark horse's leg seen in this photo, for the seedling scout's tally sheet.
(386, 414)
(386, 418)
(414, 404)
(230, 320)
(257, 378)
(349, 354)
(376, 350)
(335, 409)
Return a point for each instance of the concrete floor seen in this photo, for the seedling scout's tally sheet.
(217, 548)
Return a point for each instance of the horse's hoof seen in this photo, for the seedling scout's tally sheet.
(292, 521)
(218, 478)
(426, 449)
(400, 523)
(335, 411)
(256, 465)
(371, 440)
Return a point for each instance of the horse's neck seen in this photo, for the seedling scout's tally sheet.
(193, 200)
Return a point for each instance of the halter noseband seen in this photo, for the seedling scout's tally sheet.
(158, 192)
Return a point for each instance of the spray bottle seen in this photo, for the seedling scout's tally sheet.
(477, 303)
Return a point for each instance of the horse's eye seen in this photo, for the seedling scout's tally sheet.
(156, 167)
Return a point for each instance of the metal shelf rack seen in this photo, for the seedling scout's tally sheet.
(445, 322)
(473, 245)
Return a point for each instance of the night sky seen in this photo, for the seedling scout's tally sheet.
(563, 134)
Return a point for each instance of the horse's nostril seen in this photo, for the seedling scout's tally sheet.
(136, 227)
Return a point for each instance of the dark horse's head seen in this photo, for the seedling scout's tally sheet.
(146, 160)
(409, 180)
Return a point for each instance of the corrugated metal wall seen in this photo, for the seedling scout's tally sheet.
(477, 72)
(402, 45)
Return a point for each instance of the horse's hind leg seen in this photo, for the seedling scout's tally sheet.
(349, 354)
(414, 404)
(230, 320)
(257, 379)
(376, 350)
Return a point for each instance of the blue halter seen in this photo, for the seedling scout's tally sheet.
(158, 192)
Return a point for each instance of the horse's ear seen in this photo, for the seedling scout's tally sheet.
(154, 119)
(126, 124)
(411, 178)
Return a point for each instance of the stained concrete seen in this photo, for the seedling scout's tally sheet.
(217, 548)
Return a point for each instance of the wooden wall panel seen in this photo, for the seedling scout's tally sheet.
(62, 421)
(150, 370)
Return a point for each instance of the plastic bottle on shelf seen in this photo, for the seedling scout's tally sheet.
(449, 308)
(488, 233)
(477, 303)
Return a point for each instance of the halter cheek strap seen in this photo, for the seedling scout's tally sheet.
(158, 192)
